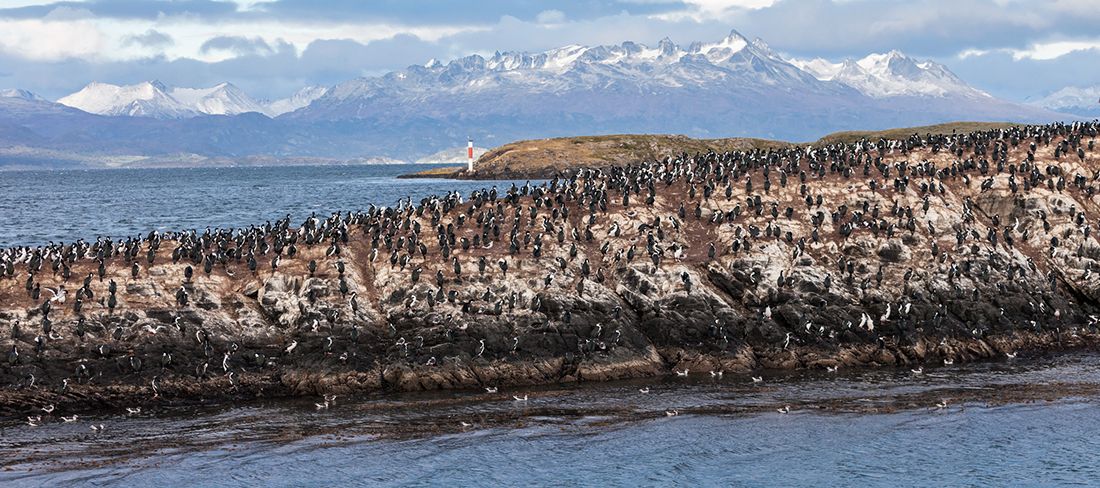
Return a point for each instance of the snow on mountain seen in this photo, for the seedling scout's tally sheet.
(580, 72)
(891, 74)
(156, 100)
(146, 99)
(222, 99)
(1072, 99)
(299, 99)
(20, 94)
(725, 88)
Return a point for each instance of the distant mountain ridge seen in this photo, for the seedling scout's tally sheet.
(1083, 101)
(732, 87)
(892, 74)
(156, 100)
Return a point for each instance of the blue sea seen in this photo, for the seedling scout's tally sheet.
(37, 207)
(878, 428)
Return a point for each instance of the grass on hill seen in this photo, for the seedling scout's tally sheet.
(541, 158)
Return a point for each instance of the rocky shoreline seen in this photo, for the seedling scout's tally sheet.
(908, 252)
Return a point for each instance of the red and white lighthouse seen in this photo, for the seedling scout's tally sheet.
(469, 154)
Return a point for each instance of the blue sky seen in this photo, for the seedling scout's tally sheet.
(1016, 49)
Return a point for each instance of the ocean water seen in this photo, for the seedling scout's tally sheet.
(877, 428)
(37, 207)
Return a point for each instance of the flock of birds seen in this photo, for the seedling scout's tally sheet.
(495, 255)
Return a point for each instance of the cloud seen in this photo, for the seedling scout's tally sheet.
(550, 16)
(1050, 50)
(269, 45)
(128, 9)
(1002, 74)
(150, 38)
(237, 45)
(50, 40)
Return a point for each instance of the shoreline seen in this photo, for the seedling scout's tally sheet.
(403, 377)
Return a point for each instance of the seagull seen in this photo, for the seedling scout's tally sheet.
(68, 419)
(490, 389)
(942, 404)
(520, 399)
(33, 421)
(1010, 355)
(465, 425)
(919, 370)
(785, 409)
(832, 369)
(682, 373)
(643, 390)
(133, 411)
(757, 379)
(671, 413)
(97, 428)
(321, 406)
(330, 399)
(48, 409)
(291, 347)
(948, 362)
(716, 374)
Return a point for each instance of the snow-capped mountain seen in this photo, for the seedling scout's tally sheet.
(299, 99)
(727, 88)
(664, 66)
(221, 99)
(147, 99)
(20, 94)
(890, 75)
(1083, 101)
(156, 100)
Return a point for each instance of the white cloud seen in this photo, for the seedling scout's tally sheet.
(550, 17)
(23, 3)
(51, 40)
(74, 33)
(703, 10)
(1052, 50)
(1041, 51)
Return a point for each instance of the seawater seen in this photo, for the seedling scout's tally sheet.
(37, 207)
(607, 435)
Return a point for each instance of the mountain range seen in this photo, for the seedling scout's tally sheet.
(1083, 101)
(156, 100)
(731, 87)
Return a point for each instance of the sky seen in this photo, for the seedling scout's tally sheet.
(1020, 50)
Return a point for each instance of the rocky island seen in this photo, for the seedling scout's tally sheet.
(909, 250)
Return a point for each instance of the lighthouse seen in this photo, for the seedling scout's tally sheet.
(469, 154)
